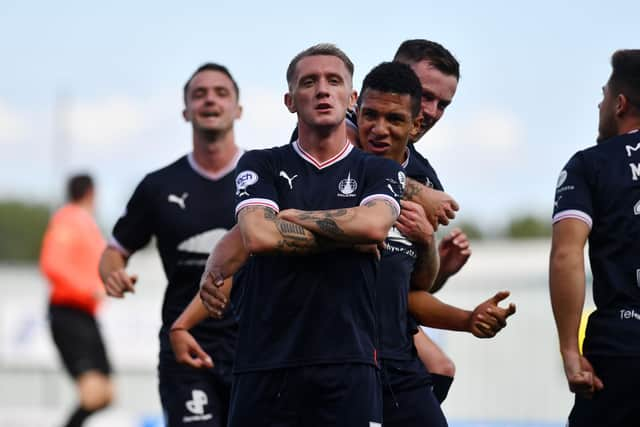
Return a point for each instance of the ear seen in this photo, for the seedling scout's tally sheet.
(238, 113)
(415, 127)
(288, 101)
(353, 99)
(622, 104)
(185, 116)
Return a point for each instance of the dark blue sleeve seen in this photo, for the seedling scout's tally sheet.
(385, 179)
(133, 230)
(573, 192)
(255, 181)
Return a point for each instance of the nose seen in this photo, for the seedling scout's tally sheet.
(379, 127)
(322, 88)
(430, 108)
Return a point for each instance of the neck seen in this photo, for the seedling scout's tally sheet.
(322, 143)
(85, 204)
(629, 126)
(214, 152)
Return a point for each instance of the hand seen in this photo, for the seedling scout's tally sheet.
(438, 206)
(212, 297)
(413, 224)
(187, 350)
(581, 376)
(119, 282)
(488, 318)
(288, 214)
(454, 251)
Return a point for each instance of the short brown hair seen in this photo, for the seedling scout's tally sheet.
(327, 49)
(416, 50)
(625, 77)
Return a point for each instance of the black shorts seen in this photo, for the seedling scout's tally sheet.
(77, 337)
(194, 397)
(617, 404)
(347, 395)
(408, 398)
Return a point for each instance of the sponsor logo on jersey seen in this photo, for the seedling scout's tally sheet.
(347, 187)
(196, 406)
(284, 175)
(180, 201)
(626, 314)
(557, 201)
(562, 178)
(243, 180)
(635, 170)
(636, 208)
(202, 243)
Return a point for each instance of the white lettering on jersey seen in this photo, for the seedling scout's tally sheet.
(629, 314)
(178, 200)
(562, 178)
(394, 235)
(638, 277)
(289, 180)
(630, 149)
(636, 208)
(557, 201)
(243, 180)
(635, 170)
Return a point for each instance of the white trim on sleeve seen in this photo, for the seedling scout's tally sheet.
(113, 243)
(386, 197)
(575, 214)
(257, 202)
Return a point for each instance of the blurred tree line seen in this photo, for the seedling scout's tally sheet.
(22, 226)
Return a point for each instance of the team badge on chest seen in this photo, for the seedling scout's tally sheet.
(347, 187)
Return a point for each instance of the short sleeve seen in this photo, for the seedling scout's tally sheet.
(573, 192)
(385, 180)
(133, 230)
(255, 183)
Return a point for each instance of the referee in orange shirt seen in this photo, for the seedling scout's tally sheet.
(69, 259)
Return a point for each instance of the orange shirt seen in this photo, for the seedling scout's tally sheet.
(69, 258)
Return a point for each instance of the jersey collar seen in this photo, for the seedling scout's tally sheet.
(344, 152)
(215, 176)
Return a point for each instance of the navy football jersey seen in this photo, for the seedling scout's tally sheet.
(421, 170)
(314, 309)
(601, 186)
(187, 211)
(396, 265)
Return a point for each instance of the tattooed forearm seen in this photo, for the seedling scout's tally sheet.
(411, 190)
(392, 208)
(289, 228)
(329, 227)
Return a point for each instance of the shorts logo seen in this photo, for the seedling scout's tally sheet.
(562, 178)
(347, 187)
(196, 406)
(198, 402)
(243, 180)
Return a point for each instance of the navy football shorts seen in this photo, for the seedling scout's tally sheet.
(617, 404)
(408, 398)
(77, 337)
(194, 397)
(346, 395)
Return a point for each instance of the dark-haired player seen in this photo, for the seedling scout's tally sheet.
(69, 258)
(598, 199)
(187, 206)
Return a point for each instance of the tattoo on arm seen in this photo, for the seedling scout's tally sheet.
(393, 210)
(411, 190)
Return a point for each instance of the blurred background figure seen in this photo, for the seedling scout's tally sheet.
(69, 260)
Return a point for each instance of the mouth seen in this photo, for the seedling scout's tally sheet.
(323, 107)
(377, 146)
(210, 114)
